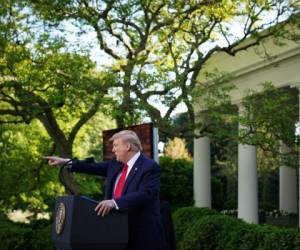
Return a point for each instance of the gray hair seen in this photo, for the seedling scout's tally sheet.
(129, 137)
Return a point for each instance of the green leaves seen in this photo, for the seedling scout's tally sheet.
(269, 118)
(165, 43)
(21, 149)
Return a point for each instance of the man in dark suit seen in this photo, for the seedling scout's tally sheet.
(133, 182)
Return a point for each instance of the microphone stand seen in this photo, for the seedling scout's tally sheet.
(68, 167)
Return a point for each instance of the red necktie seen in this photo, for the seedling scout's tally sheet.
(121, 182)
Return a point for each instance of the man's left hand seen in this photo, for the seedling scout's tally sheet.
(104, 207)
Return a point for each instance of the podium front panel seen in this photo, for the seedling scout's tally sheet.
(77, 226)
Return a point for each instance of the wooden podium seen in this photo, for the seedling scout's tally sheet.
(77, 227)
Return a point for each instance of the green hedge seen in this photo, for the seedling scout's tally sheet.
(184, 217)
(20, 236)
(205, 229)
(176, 180)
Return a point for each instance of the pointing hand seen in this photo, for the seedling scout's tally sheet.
(54, 160)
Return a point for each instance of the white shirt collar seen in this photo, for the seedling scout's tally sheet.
(132, 161)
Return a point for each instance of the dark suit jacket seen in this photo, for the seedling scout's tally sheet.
(140, 196)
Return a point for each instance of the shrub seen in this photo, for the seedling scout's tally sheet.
(205, 229)
(217, 193)
(213, 232)
(184, 217)
(280, 238)
(176, 181)
(20, 236)
(177, 184)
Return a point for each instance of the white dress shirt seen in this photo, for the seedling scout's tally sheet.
(130, 164)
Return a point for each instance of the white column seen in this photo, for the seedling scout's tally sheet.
(202, 175)
(287, 186)
(298, 87)
(247, 182)
(155, 144)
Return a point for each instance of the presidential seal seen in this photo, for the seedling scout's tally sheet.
(60, 218)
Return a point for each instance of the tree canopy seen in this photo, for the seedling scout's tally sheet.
(158, 48)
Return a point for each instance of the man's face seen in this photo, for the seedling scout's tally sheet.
(121, 149)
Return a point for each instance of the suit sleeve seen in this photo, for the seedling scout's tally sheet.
(148, 190)
(88, 166)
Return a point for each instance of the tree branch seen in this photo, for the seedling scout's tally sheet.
(83, 119)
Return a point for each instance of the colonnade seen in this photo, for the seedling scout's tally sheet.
(247, 179)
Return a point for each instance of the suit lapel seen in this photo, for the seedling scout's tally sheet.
(132, 173)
